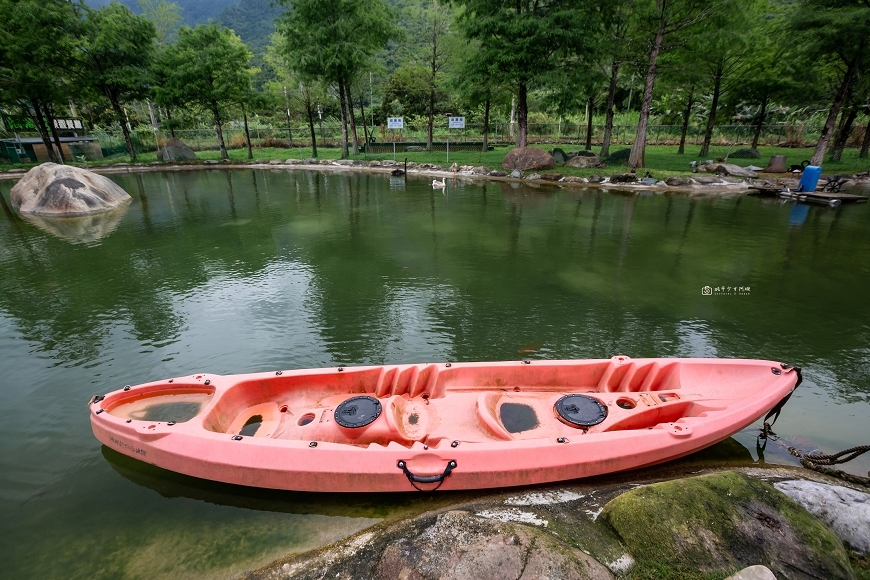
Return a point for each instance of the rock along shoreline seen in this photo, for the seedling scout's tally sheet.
(712, 524)
(702, 184)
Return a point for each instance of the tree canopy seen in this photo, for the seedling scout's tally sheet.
(207, 67)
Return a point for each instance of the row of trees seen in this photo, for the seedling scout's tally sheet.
(564, 55)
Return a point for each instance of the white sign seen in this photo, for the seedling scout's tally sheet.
(395, 123)
(456, 122)
(67, 124)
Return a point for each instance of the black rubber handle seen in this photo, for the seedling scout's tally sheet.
(451, 465)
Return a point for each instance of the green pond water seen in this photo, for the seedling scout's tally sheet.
(243, 271)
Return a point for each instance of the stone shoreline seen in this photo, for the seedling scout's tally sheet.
(710, 185)
(711, 524)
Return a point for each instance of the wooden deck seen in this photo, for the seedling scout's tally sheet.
(823, 197)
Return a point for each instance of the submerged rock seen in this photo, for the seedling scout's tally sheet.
(63, 190)
(528, 158)
(845, 510)
(716, 523)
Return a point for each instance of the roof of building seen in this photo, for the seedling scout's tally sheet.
(37, 140)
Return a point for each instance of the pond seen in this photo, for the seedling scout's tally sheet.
(255, 270)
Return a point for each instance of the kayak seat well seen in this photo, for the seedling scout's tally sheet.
(257, 421)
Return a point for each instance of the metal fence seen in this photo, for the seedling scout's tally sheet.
(146, 140)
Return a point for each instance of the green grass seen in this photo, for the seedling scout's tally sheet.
(661, 160)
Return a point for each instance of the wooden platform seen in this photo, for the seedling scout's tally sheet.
(824, 197)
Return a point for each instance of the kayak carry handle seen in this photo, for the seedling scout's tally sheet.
(415, 479)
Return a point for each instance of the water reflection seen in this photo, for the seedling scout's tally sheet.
(240, 271)
(80, 229)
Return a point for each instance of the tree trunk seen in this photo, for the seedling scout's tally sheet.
(839, 98)
(39, 121)
(513, 116)
(341, 102)
(865, 146)
(309, 109)
(843, 133)
(711, 120)
(611, 97)
(636, 159)
(362, 113)
(687, 114)
(50, 118)
(352, 120)
(761, 114)
(116, 106)
(247, 133)
(589, 124)
(169, 118)
(220, 133)
(430, 124)
(522, 116)
(486, 123)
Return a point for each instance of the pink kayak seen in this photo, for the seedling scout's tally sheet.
(423, 426)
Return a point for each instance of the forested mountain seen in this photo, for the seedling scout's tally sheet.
(194, 11)
(253, 21)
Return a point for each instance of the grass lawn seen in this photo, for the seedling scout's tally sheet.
(661, 160)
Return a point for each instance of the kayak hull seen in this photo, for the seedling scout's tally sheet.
(448, 426)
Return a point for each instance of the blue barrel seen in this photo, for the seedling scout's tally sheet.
(810, 178)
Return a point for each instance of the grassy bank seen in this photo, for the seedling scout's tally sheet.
(661, 160)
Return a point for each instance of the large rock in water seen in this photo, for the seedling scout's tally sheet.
(528, 158)
(720, 522)
(175, 150)
(62, 190)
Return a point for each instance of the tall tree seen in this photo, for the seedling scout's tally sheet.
(528, 41)
(208, 67)
(839, 29)
(309, 93)
(37, 42)
(332, 40)
(116, 52)
(720, 45)
(619, 47)
(667, 17)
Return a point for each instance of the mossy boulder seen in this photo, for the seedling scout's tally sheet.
(719, 523)
(619, 157)
(746, 154)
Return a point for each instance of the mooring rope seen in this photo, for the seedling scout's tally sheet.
(820, 461)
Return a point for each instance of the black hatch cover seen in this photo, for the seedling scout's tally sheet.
(581, 410)
(357, 412)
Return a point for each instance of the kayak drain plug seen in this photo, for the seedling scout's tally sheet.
(313, 444)
(127, 388)
(455, 444)
(208, 381)
(237, 438)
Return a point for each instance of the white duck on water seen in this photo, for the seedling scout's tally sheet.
(439, 184)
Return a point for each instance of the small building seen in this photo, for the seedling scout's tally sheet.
(32, 149)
